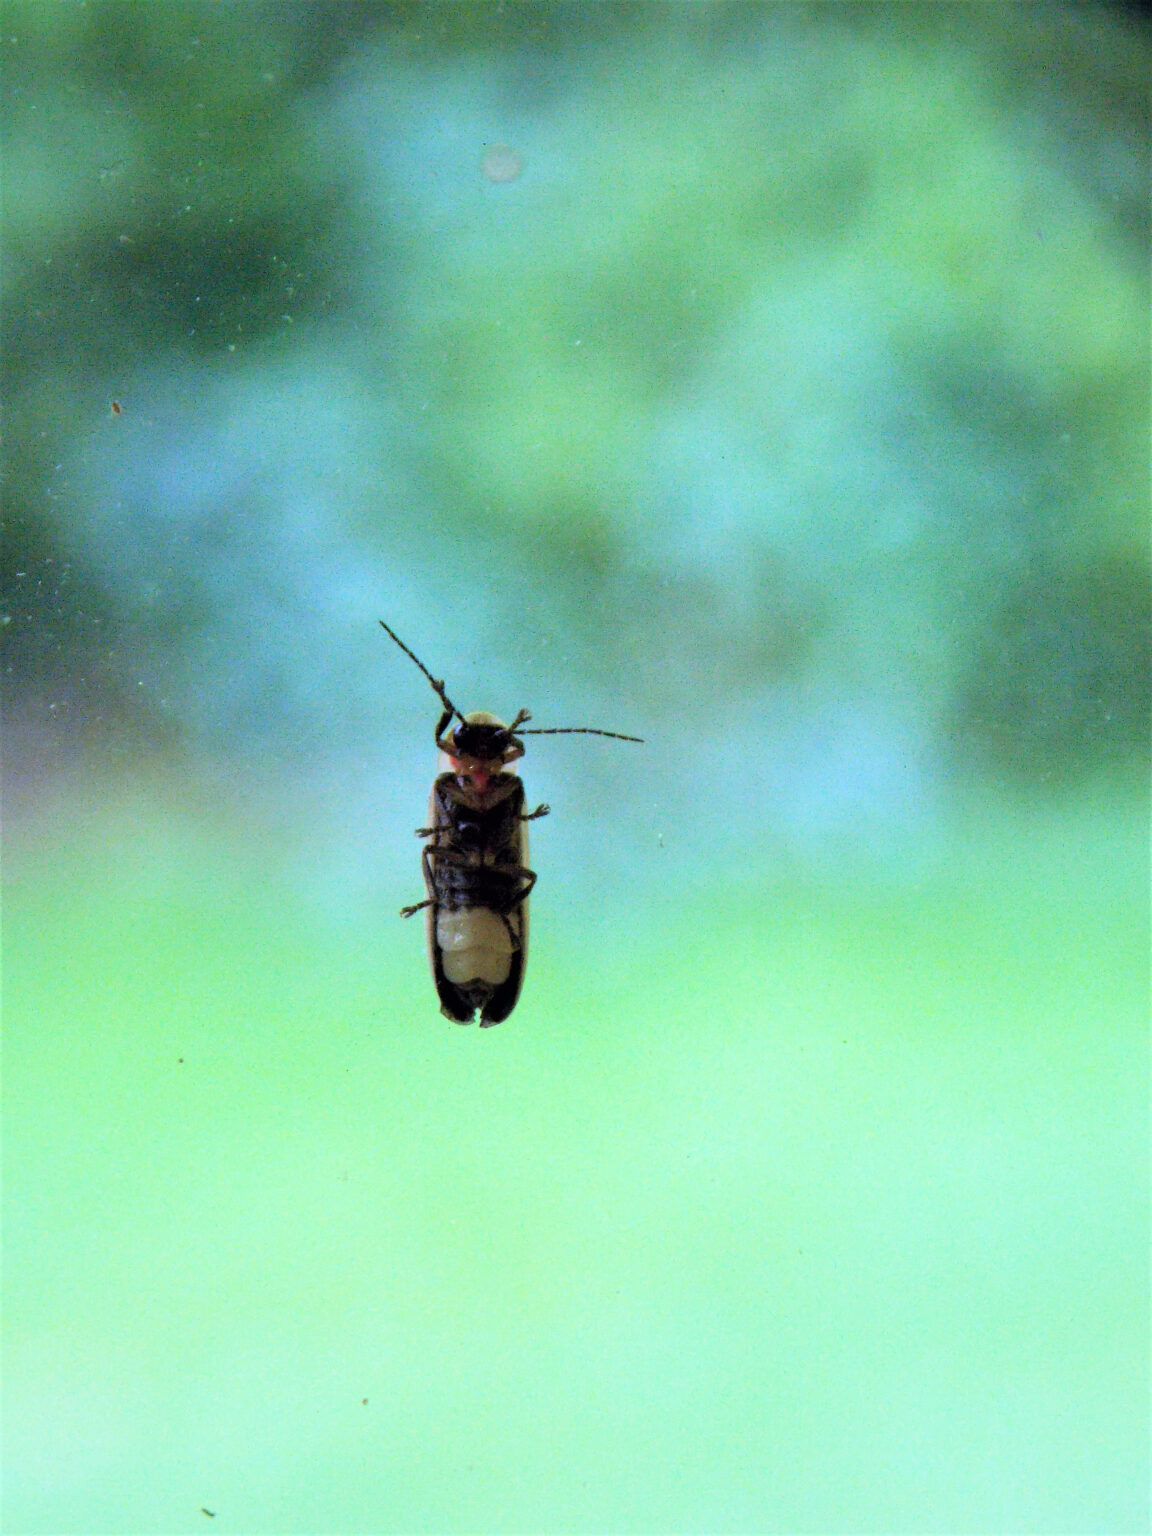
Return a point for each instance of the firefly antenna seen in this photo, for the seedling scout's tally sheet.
(437, 682)
(581, 730)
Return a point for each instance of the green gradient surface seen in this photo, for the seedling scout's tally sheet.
(810, 1210)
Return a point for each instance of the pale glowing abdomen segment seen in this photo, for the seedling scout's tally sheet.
(474, 945)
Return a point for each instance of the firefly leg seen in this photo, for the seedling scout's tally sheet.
(425, 864)
(512, 934)
(541, 810)
(529, 876)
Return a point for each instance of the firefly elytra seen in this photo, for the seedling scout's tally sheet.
(475, 859)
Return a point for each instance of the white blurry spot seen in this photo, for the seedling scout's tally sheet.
(501, 163)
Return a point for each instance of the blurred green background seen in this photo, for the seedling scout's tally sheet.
(767, 380)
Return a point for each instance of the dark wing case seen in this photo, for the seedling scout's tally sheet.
(506, 996)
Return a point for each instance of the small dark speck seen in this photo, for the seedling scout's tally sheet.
(363, 1402)
(211, 1513)
(179, 1061)
(117, 408)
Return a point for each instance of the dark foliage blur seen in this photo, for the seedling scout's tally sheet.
(862, 405)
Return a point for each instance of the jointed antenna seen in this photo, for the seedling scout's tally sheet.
(581, 730)
(437, 683)
(515, 728)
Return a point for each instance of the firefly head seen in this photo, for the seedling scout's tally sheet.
(481, 746)
(482, 736)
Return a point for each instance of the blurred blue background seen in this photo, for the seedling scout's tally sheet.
(770, 381)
